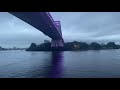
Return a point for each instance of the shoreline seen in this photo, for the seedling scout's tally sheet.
(66, 50)
(73, 46)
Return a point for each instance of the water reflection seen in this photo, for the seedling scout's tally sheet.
(56, 65)
(83, 64)
(45, 65)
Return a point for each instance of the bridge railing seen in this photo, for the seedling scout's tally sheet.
(49, 15)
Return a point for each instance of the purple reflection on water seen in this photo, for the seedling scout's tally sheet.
(57, 65)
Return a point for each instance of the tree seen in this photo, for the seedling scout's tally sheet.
(95, 46)
(111, 45)
(32, 47)
(84, 46)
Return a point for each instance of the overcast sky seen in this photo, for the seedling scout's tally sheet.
(79, 26)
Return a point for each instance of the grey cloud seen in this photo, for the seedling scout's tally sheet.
(80, 26)
(93, 25)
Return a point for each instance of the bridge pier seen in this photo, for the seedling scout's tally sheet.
(57, 43)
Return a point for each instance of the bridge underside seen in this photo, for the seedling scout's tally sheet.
(42, 22)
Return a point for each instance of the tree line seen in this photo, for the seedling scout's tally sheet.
(75, 45)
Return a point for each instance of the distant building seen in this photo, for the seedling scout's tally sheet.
(46, 41)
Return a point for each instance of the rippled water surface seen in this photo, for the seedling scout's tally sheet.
(69, 64)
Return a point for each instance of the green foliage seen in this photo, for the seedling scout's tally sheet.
(95, 46)
(111, 45)
(71, 46)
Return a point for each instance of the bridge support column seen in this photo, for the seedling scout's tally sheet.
(57, 43)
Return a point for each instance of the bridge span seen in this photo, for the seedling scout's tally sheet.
(44, 22)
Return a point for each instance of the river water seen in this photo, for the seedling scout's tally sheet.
(68, 64)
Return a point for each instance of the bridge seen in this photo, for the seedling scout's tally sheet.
(44, 22)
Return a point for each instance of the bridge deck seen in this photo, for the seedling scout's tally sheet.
(41, 21)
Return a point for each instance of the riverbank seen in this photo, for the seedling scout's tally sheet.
(73, 46)
(4, 49)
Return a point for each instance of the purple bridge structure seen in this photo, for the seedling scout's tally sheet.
(44, 22)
